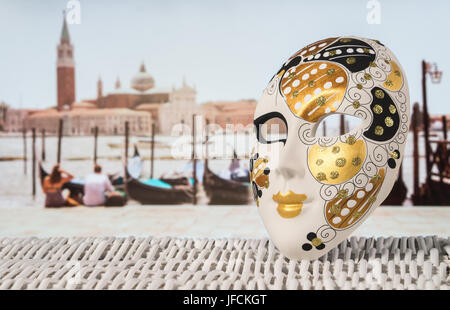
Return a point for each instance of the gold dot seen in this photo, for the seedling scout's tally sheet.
(356, 104)
(343, 193)
(394, 155)
(311, 84)
(350, 60)
(356, 215)
(392, 109)
(366, 50)
(266, 184)
(335, 209)
(345, 40)
(295, 93)
(379, 94)
(321, 101)
(350, 140)
(356, 161)
(376, 178)
(372, 199)
(389, 121)
(379, 130)
(377, 109)
(332, 53)
(388, 83)
(321, 176)
(334, 174)
(397, 73)
(291, 75)
(359, 86)
(367, 76)
(335, 149)
(372, 64)
(319, 162)
(341, 161)
(386, 61)
(330, 71)
(316, 242)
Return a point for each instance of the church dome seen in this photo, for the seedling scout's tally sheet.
(142, 81)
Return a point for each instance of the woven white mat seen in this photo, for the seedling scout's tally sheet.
(176, 263)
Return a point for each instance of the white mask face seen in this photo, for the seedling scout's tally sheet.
(312, 191)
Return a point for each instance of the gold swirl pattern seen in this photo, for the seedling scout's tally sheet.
(342, 212)
(338, 163)
(314, 89)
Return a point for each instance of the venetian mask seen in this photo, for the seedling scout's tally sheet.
(312, 191)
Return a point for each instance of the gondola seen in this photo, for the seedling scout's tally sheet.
(155, 191)
(233, 191)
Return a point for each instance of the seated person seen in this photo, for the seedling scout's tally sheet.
(52, 187)
(97, 188)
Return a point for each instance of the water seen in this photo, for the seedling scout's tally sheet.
(77, 158)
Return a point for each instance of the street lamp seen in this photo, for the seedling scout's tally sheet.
(436, 75)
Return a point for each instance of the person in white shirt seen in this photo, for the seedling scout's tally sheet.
(97, 187)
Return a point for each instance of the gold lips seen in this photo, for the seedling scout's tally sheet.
(289, 204)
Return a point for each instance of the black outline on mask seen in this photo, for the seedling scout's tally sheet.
(262, 120)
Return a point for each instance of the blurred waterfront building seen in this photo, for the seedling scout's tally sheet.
(237, 113)
(142, 103)
(15, 119)
(83, 119)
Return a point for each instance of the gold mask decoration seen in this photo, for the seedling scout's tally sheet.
(342, 211)
(289, 204)
(314, 89)
(337, 163)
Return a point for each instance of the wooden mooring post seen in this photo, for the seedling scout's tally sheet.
(43, 145)
(152, 151)
(33, 162)
(194, 161)
(206, 143)
(24, 135)
(444, 126)
(60, 134)
(95, 143)
(125, 154)
(416, 171)
(342, 125)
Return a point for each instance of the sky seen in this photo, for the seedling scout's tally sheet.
(227, 49)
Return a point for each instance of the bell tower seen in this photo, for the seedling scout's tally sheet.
(65, 70)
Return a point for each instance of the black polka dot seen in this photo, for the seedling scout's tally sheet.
(266, 171)
(259, 193)
(306, 246)
(391, 163)
(311, 236)
(320, 246)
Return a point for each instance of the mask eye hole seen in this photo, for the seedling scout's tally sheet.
(332, 125)
(271, 128)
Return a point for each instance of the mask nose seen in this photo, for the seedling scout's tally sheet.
(292, 158)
